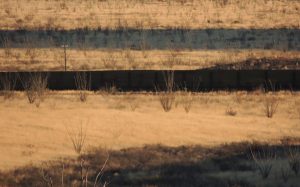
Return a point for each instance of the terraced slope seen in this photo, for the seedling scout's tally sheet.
(146, 34)
(115, 14)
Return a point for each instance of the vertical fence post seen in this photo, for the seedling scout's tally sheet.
(238, 80)
(65, 54)
(129, 80)
(211, 80)
(294, 80)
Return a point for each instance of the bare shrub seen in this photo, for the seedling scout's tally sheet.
(7, 84)
(230, 111)
(167, 97)
(285, 173)
(270, 105)
(83, 85)
(108, 90)
(167, 100)
(187, 100)
(169, 81)
(173, 58)
(35, 87)
(294, 159)
(78, 137)
(31, 52)
(110, 61)
(100, 174)
(130, 59)
(263, 158)
(238, 97)
(47, 178)
(133, 103)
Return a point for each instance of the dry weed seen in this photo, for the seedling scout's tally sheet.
(270, 103)
(35, 87)
(167, 97)
(167, 100)
(78, 137)
(187, 100)
(263, 158)
(83, 85)
(230, 111)
(133, 102)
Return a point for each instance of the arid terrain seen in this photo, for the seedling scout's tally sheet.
(138, 34)
(31, 134)
(105, 135)
(153, 14)
(53, 59)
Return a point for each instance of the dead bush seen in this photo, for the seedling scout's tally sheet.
(270, 103)
(167, 100)
(83, 85)
(230, 111)
(263, 158)
(35, 87)
(31, 51)
(167, 97)
(130, 58)
(187, 100)
(110, 61)
(133, 102)
(109, 89)
(78, 137)
(294, 159)
(285, 173)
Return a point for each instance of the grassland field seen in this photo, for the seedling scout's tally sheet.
(143, 138)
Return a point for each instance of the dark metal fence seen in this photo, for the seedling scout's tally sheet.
(145, 80)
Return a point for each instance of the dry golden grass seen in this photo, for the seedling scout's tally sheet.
(53, 58)
(30, 134)
(122, 14)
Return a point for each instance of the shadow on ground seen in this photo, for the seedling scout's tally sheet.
(199, 39)
(261, 64)
(238, 164)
